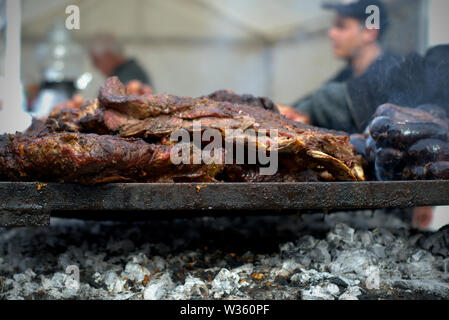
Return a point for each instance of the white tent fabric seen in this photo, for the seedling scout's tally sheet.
(192, 47)
(35, 10)
(175, 18)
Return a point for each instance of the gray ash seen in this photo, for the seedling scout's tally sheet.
(343, 256)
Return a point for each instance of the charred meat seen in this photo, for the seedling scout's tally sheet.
(121, 137)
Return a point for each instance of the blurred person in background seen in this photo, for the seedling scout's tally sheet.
(371, 78)
(108, 56)
(332, 106)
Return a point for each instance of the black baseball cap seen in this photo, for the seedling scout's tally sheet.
(357, 9)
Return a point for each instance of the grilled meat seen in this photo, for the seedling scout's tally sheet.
(230, 96)
(119, 136)
(92, 159)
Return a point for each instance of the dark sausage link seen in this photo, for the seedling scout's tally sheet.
(427, 113)
(370, 149)
(415, 173)
(379, 128)
(434, 110)
(389, 164)
(402, 135)
(429, 150)
(439, 170)
(359, 143)
(403, 114)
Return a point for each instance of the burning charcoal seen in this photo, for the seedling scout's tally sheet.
(365, 238)
(158, 288)
(378, 250)
(306, 243)
(439, 170)
(135, 272)
(437, 243)
(388, 164)
(351, 294)
(113, 283)
(225, 283)
(341, 234)
(266, 273)
(193, 287)
(417, 270)
(429, 150)
(352, 261)
(321, 292)
(320, 253)
(289, 267)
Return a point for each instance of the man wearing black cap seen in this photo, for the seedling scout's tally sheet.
(357, 30)
(351, 38)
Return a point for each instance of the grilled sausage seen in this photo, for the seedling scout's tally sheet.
(429, 150)
(400, 135)
(370, 149)
(359, 143)
(434, 110)
(389, 164)
(439, 170)
(415, 173)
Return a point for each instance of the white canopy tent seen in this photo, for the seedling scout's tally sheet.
(192, 47)
(234, 19)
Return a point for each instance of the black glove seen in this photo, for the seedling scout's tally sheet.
(408, 144)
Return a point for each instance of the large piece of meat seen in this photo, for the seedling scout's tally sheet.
(92, 159)
(121, 137)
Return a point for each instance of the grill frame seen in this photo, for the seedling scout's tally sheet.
(32, 203)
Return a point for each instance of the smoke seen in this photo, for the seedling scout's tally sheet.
(407, 82)
(421, 80)
(437, 64)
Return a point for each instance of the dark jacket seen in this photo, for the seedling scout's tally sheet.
(346, 103)
(131, 70)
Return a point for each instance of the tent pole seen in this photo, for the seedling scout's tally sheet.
(13, 48)
(13, 116)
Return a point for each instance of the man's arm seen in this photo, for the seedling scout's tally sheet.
(328, 107)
